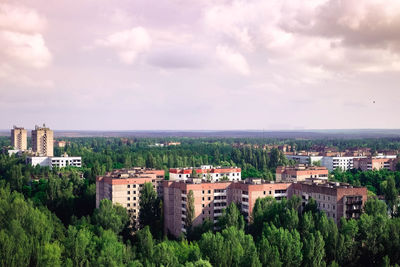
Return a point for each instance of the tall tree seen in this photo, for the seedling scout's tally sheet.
(190, 211)
(150, 209)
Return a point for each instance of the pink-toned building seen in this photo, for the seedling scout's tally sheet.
(373, 163)
(206, 172)
(210, 199)
(335, 199)
(300, 173)
(123, 187)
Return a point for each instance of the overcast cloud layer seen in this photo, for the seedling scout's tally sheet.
(180, 64)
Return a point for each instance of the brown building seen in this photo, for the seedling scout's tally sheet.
(300, 172)
(372, 163)
(60, 143)
(124, 186)
(19, 138)
(42, 141)
(336, 200)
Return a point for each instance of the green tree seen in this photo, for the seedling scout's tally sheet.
(374, 207)
(231, 216)
(287, 242)
(150, 209)
(109, 216)
(190, 212)
(391, 194)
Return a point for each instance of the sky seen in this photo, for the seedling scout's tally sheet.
(200, 64)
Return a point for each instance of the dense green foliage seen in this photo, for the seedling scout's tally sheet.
(48, 217)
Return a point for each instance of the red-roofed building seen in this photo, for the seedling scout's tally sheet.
(206, 172)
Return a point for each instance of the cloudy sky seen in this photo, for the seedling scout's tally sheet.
(200, 64)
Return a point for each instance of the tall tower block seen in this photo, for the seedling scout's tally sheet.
(19, 138)
(42, 141)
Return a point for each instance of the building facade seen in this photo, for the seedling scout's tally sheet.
(300, 173)
(123, 187)
(42, 141)
(332, 163)
(206, 172)
(336, 200)
(19, 138)
(375, 163)
(55, 162)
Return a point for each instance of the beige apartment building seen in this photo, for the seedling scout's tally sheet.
(375, 163)
(42, 141)
(300, 172)
(19, 138)
(123, 187)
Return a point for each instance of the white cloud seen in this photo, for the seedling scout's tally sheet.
(233, 59)
(128, 44)
(20, 19)
(26, 49)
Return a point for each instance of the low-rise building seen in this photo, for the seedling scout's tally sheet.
(300, 172)
(123, 187)
(55, 162)
(375, 163)
(206, 172)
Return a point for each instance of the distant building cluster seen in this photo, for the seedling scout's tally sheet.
(211, 196)
(42, 151)
(165, 144)
(351, 158)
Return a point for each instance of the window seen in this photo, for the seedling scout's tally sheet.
(128, 186)
(129, 198)
(129, 192)
(202, 192)
(202, 205)
(134, 198)
(202, 198)
(209, 198)
(209, 191)
(265, 192)
(128, 204)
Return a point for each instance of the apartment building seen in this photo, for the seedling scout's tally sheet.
(206, 172)
(42, 141)
(375, 163)
(123, 187)
(19, 138)
(210, 198)
(332, 163)
(300, 172)
(335, 199)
